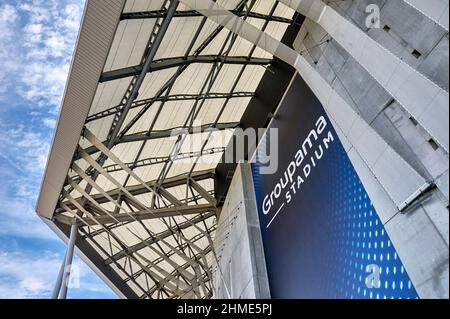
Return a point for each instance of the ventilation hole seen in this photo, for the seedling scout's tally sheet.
(433, 144)
(386, 28)
(413, 121)
(416, 54)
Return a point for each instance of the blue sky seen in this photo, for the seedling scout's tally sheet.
(37, 38)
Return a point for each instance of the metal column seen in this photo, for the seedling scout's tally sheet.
(59, 280)
(62, 282)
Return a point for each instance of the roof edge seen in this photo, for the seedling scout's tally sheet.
(97, 31)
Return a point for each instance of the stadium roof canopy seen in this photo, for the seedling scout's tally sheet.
(134, 159)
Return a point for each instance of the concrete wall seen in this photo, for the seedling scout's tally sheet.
(241, 270)
(421, 234)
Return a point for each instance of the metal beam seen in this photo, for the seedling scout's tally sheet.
(192, 13)
(168, 85)
(161, 235)
(145, 136)
(194, 199)
(163, 159)
(171, 98)
(158, 32)
(183, 245)
(203, 192)
(170, 197)
(145, 68)
(93, 258)
(147, 214)
(169, 63)
(68, 262)
(168, 183)
(59, 280)
(176, 131)
(203, 278)
(207, 250)
(215, 71)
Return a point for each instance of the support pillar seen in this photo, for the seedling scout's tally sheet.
(59, 280)
(60, 291)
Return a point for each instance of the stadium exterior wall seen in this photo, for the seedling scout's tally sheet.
(420, 231)
(241, 270)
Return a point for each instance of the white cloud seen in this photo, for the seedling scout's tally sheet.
(23, 156)
(27, 276)
(33, 275)
(37, 65)
(8, 18)
(49, 122)
(36, 42)
(28, 149)
(43, 83)
(18, 218)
